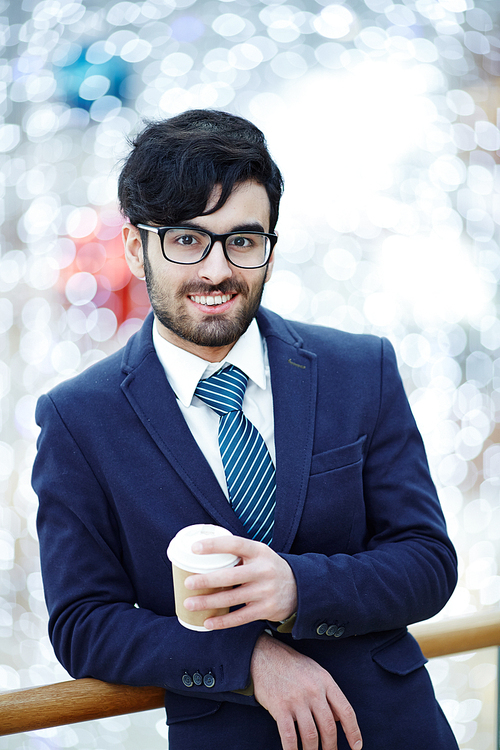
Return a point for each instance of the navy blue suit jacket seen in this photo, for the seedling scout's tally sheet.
(118, 473)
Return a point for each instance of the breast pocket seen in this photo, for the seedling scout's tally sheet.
(334, 500)
(338, 458)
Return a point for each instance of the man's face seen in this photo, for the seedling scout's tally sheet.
(205, 308)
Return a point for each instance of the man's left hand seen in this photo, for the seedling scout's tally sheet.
(265, 584)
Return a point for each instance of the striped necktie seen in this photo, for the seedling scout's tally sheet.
(249, 470)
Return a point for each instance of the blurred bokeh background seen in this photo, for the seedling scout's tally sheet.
(384, 118)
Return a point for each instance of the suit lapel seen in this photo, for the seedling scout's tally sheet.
(150, 395)
(294, 384)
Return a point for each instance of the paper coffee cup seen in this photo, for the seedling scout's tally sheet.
(185, 563)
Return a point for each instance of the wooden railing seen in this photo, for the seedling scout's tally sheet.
(458, 634)
(82, 700)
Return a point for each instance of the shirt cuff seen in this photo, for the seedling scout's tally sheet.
(286, 626)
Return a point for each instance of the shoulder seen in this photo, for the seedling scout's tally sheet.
(84, 398)
(102, 381)
(103, 374)
(327, 342)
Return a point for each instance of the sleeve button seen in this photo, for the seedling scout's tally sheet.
(197, 679)
(209, 680)
(332, 630)
(321, 629)
(187, 680)
(340, 631)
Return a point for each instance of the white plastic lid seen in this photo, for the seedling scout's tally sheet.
(180, 554)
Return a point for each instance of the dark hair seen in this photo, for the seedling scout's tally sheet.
(175, 164)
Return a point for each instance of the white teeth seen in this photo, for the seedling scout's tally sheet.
(217, 300)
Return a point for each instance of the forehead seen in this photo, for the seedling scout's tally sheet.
(247, 201)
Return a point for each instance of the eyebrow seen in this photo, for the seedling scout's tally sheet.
(254, 226)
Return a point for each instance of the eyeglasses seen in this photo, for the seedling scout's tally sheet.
(187, 246)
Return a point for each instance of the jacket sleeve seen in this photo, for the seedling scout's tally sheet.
(95, 624)
(403, 567)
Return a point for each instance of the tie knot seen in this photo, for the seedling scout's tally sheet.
(224, 391)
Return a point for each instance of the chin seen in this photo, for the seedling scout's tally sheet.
(215, 333)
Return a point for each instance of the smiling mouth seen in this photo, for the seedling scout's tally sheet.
(216, 299)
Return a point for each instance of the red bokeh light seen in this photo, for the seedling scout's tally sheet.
(101, 254)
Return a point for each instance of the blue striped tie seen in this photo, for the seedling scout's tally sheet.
(249, 470)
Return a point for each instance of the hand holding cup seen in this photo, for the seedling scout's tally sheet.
(185, 562)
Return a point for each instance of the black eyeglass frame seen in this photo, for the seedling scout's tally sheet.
(222, 238)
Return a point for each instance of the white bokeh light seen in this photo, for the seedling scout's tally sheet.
(383, 118)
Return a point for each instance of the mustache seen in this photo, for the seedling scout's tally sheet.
(227, 286)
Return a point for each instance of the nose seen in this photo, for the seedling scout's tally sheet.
(215, 268)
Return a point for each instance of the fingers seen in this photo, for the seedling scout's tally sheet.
(323, 726)
(233, 619)
(315, 723)
(249, 613)
(261, 602)
(225, 594)
(308, 732)
(218, 600)
(316, 720)
(347, 717)
(302, 698)
(287, 732)
(233, 545)
(320, 723)
(221, 578)
(263, 578)
(231, 598)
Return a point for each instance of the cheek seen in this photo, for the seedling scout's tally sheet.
(256, 281)
(169, 282)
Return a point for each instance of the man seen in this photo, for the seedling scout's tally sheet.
(343, 544)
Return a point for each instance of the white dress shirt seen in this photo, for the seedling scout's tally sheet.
(184, 370)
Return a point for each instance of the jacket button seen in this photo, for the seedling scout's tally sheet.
(321, 629)
(332, 630)
(340, 631)
(209, 680)
(197, 679)
(186, 680)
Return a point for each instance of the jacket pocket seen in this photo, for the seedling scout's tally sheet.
(337, 458)
(185, 708)
(401, 655)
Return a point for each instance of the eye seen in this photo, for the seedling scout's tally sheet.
(187, 240)
(242, 241)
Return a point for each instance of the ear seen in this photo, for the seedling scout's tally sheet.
(270, 266)
(134, 254)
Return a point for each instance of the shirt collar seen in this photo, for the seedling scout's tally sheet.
(184, 370)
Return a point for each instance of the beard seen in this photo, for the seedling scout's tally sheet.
(215, 330)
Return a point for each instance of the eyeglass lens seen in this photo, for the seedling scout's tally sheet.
(244, 249)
